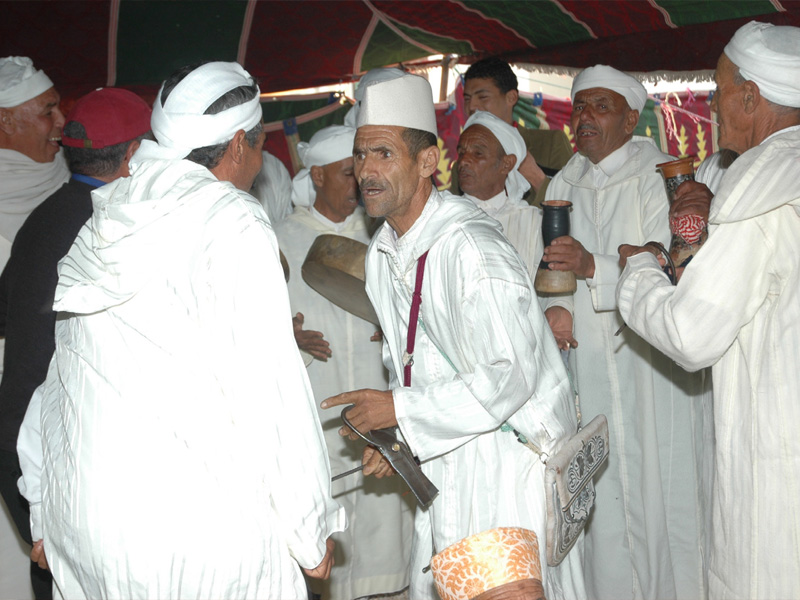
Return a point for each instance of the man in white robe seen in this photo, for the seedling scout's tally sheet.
(647, 537)
(736, 309)
(31, 169)
(490, 152)
(372, 554)
(484, 361)
(182, 455)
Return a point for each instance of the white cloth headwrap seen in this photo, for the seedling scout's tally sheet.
(602, 76)
(770, 57)
(403, 102)
(328, 145)
(368, 78)
(20, 81)
(512, 143)
(180, 125)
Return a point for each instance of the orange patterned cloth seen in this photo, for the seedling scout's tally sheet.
(485, 561)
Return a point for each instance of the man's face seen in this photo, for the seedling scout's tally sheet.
(483, 94)
(386, 174)
(37, 126)
(728, 103)
(602, 122)
(337, 195)
(481, 170)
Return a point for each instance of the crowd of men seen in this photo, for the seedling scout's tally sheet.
(169, 405)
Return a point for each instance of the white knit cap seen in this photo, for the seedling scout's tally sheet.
(770, 57)
(20, 81)
(512, 143)
(180, 125)
(368, 78)
(603, 76)
(403, 102)
(328, 145)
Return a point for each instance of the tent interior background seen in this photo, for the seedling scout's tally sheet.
(294, 45)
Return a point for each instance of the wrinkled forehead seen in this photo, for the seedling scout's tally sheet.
(597, 94)
(373, 137)
(479, 135)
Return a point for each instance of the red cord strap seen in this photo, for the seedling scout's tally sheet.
(416, 300)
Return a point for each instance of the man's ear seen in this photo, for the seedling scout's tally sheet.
(507, 163)
(317, 176)
(7, 122)
(751, 97)
(631, 121)
(236, 147)
(512, 96)
(428, 161)
(132, 148)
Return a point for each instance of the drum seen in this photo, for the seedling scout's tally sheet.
(334, 267)
(555, 223)
(497, 564)
(689, 232)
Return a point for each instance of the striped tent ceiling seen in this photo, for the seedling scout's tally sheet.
(83, 44)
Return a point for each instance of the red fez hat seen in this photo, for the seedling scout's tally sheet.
(110, 116)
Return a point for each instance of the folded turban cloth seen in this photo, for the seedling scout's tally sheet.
(512, 143)
(602, 76)
(403, 102)
(769, 56)
(328, 145)
(180, 125)
(20, 81)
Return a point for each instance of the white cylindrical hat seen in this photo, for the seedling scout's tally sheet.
(403, 102)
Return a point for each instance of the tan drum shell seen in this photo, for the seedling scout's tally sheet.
(334, 267)
(497, 564)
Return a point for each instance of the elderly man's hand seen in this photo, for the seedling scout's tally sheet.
(373, 409)
(312, 342)
(628, 250)
(560, 321)
(568, 254)
(37, 555)
(532, 172)
(323, 569)
(375, 464)
(691, 198)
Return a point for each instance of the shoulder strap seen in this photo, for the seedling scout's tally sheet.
(416, 300)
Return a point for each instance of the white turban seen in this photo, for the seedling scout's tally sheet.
(403, 102)
(602, 76)
(328, 145)
(512, 143)
(20, 81)
(770, 57)
(180, 125)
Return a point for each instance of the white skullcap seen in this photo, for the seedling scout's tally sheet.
(512, 143)
(770, 57)
(368, 78)
(180, 125)
(602, 76)
(328, 145)
(20, 81)
(403, 102)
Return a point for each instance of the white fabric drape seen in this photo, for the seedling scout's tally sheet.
(736, 309)
(182, 452)
(647, 535)
(483, 356)
(373, 553)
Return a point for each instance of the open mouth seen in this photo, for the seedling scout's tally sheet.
(370, 189)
